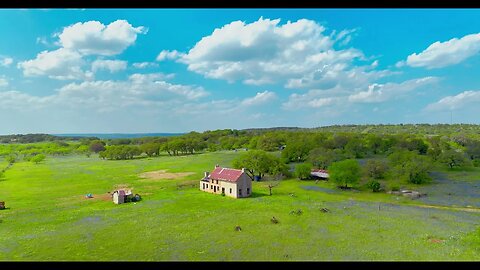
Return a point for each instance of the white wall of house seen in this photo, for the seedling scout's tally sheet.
(232, 189)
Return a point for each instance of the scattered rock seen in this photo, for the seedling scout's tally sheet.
(325, 210)
(274, 220)
(408, 193)
(238, 228)
(299, 212)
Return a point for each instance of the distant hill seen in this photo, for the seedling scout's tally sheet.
(118, 135)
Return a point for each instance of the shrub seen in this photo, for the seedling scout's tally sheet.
(476, 162)
(302, 171)
(374, 185)
(395, 187)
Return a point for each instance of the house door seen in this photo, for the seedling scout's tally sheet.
(223, 190)
(214, 189)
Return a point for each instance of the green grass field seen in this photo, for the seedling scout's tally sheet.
(48, 218)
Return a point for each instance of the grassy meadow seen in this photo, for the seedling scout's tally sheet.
(49, 218)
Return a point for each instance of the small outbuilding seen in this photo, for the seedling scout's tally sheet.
(319, 174)
(121, 196)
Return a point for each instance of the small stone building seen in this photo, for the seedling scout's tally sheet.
(231, 182)
(120, 196)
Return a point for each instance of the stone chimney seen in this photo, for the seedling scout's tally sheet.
(206, 174)
(243, 170)
(216, 166)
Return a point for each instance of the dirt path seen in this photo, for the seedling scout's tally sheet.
(467, 209)
(162, 174)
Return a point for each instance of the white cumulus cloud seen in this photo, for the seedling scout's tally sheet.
(61, 64)
(259, 98)
(5, 61)
(3, 82)
(78, 41)
(297, 54)
(169, 55)
(455, 102)
(442, 54)
(110, 65)
(144, 65)
(93, 37)
(383, 92)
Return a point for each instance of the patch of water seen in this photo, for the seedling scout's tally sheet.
(448, 192)
(316, 188)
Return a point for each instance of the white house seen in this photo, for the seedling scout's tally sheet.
(231, 182)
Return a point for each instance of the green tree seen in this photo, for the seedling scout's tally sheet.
(38, 158)
(11, 159)
(376, 168)
(150, 149)
(302, 171)
(296, 150)
(345, 172)
(411, 166)
(452, 158)
(97, 146)
(374, 185)
(258, 163)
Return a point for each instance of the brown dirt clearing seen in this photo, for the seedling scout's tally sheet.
(162, 174)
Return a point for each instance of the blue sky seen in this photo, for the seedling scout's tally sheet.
(178, 70)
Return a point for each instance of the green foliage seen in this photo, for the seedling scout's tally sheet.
(374, 185)
(322, 158)
(356, 147)
(410, 166)
(476, 162)
(376, 168)
(303, 170)
(453, 158)
(296, 150)
(38, 158)
(175, 219)
(473, 149)
(394, 187)
(11, 159)
(97, 146)
(150, 149)
(120, 152)
(345, 172)
(259, 163)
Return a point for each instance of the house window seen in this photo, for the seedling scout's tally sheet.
(203, 186)
(240, 192)
(207, 186)
(217, 182)
(248, 191)
(230, 191)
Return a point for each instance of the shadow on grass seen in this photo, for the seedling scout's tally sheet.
(258, 195)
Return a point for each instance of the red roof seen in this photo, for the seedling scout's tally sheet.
(226, 174)
(318, 170)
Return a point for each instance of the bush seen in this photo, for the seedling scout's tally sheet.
(476, 162)
(11, 159)
(345, 172)
(37, 158)
(374, 185)
(395, 187)
(302, 171)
